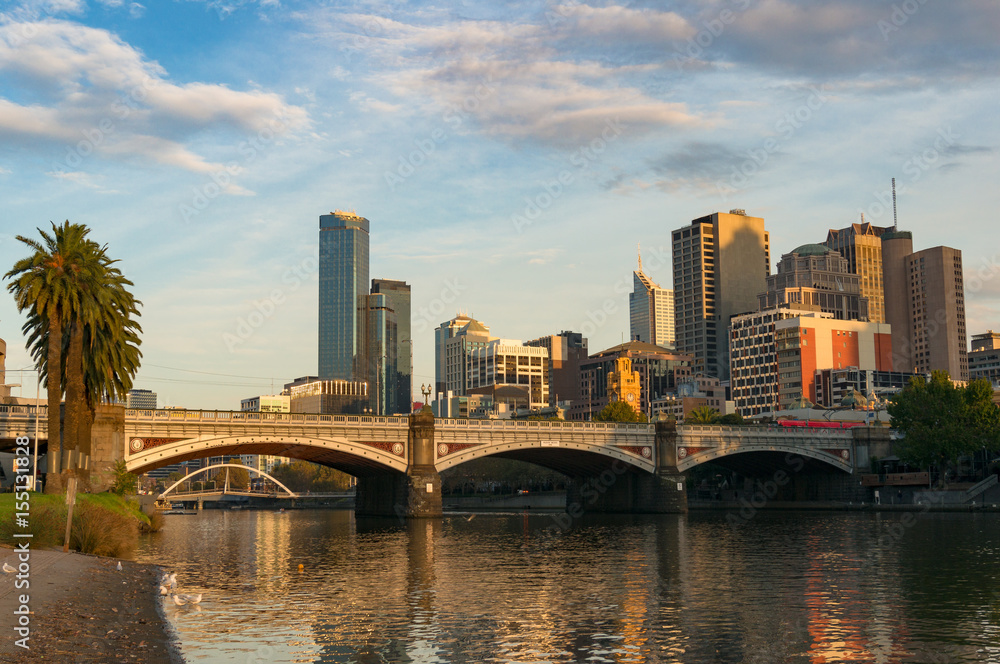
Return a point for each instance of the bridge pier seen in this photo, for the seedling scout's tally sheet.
(622, 490)
(413, 495)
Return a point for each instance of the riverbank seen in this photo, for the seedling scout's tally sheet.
(83, 609)
(832, 506)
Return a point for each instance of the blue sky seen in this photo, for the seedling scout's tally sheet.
(510, 156)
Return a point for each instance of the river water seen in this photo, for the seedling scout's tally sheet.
(817, 587)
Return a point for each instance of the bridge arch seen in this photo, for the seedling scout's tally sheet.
(839, 458)
(357, 458)
(188, 477)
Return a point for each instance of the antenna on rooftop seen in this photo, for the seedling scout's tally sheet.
(638, 246)
(894, 222)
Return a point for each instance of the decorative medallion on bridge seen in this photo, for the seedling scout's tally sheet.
(137, 445)
(683, 452)
(391, 448)
(445, 449)
(842, 454)
(638, 450)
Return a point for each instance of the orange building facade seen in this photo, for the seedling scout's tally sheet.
(808, 343)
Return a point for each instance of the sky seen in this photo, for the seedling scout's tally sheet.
(510, 156)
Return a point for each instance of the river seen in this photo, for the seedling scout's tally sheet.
(816, 587)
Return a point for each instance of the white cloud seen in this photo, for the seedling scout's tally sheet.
(509, 80)
(623, 23)
(91, 85)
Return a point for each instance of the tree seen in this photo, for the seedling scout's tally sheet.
(730, 420)
(239, 478)
(619, 411)
(80, 324)
(941, 422)
(124, 482)
(300, 476)
(702, 415)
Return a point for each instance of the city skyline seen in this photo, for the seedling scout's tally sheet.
(508, 159)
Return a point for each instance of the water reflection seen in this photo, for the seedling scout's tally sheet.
(814, 588)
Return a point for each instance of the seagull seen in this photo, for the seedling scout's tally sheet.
(172, 581)
(7, 568)
(163, 590)
(187, 599)
(119, 565)
(178, 601)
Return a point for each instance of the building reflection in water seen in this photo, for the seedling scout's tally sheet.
(795, 588)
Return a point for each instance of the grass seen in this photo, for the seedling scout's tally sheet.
(103, 523)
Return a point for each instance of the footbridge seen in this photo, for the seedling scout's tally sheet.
(397, 460)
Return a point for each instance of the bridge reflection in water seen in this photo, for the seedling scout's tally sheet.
(788, 587)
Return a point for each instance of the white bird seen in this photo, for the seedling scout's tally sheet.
(178, 601)
(163, 590)
(119, 565)
(172, 581)
(188, 599)
(7, 568)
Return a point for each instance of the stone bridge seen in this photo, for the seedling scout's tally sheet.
(397, 460)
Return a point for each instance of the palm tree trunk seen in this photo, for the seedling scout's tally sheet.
(53, 386)
(75, 396)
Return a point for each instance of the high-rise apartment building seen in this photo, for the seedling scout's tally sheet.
(896, 246)
(343, 287)
(814, 277)
(721, 263)
(398, 294)
(753, 362)
(381, 355)
(861, 245)
(937, 309)
(651, 311)
(984, 360)
(454, 340)
(566, 351)
(140, 400)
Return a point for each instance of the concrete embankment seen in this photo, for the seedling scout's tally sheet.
(548, 500)
(81, 608)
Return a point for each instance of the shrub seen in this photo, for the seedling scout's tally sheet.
(155, 524)
(102, 532)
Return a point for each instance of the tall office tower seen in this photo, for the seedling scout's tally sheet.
(937, 301)
(566, 351)
(814, 277)
(984, 360)
(721, 264)
(861, 245)
(453, 341)
(398, 293)
(896, 246)
(343, 286)
(381, 346)
(651, 311)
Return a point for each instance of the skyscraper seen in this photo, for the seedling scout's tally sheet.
(651, 311)
(398, 294)
(343, 287)
(925, 306)
(381, 355)
(721, 263)
(861, 245)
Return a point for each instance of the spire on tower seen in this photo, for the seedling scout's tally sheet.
(638, 246)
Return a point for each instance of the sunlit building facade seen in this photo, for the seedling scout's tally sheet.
(343, 286)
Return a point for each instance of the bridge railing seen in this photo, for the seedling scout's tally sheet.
(244, 417)
(13, 411)
(459, 423)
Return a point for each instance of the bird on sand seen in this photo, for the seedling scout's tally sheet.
(163, 590)
(119, 567)
(172, 581)
(7, 568)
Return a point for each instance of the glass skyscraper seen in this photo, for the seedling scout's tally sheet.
(381, 355)
(398, 294)
(343, 288)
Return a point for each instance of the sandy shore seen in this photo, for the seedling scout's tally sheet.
(82, 609)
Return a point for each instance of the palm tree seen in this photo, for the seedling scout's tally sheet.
(94, 324)
(44, 283)
(702, 415)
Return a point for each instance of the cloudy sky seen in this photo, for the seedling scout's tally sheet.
(510, 156)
